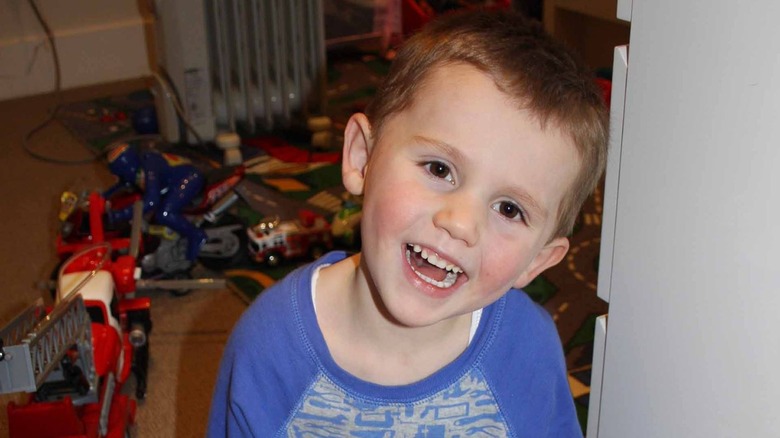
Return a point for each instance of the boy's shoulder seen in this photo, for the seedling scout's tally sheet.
(526, 369)
(523, 330)
(523, 310)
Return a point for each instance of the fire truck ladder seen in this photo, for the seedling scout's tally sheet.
(34, 343)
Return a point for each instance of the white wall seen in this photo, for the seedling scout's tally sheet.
(97, 41)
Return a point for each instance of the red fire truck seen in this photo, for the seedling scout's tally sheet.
(74, 357)
(272, 241)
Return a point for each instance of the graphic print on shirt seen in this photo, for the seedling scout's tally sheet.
(466, 408)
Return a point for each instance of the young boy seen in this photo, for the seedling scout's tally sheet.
(473, 160)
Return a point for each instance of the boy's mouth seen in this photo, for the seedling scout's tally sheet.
(432, 268)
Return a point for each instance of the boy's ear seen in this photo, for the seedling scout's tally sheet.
(549, 256)
(357, 147)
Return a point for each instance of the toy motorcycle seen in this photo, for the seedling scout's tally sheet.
(162, 252)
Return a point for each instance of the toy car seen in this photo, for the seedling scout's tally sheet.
(272, 241)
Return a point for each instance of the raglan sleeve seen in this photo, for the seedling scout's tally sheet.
(527, 370)
(226, 416)
(264, 369)
(563, 421)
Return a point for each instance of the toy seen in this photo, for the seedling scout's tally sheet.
(75, 357)
(162, 253)
(81, 225)
(169, 183)
(145, 120)
(346, 222)
(230, 143)
(272, 240)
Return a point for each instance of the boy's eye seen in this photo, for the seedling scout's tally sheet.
(509, 210)
(439, 170)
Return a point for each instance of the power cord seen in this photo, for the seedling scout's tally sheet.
(161, 78)
(53, 112)
(57, 93)
(167, 87)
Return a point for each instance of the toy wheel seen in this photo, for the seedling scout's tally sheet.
(273, 259)
(238, 244)
(140, 368)
(181, 275)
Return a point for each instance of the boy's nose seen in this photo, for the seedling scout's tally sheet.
(460, 218)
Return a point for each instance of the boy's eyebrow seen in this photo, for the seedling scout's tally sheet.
(529, 203)
(445, 148)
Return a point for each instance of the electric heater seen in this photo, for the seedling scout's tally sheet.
(238, 65)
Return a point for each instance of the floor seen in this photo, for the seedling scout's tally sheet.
(189, 332)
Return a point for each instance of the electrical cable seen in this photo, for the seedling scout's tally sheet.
(53, 112)
(50, 38)
(58, 99)
(161, 78)
(57, 93)
(165, 85)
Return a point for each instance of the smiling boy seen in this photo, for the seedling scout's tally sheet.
(473, 159)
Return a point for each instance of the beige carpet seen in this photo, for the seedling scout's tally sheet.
(189, 332)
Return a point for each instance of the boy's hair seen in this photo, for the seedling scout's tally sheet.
(525, 63)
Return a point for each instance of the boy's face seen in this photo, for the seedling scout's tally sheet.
(463, 180)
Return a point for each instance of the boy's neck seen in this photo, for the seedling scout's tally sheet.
(371, 347)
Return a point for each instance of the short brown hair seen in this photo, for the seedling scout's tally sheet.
(527, 64)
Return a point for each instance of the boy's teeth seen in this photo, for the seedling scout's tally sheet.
(449, 280)
(434, 259)
(452, 270)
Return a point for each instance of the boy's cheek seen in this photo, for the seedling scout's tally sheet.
(388, 210)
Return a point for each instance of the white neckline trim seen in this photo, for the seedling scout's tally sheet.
(475, 317)
(314, 277)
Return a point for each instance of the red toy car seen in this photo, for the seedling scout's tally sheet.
(272, 241)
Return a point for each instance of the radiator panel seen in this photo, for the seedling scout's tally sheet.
(265, 60)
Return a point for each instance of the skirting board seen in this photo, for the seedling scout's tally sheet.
(89, 55)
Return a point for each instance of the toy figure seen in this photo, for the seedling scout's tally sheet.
(168, 182)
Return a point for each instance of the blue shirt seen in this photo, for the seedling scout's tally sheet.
(277, 378)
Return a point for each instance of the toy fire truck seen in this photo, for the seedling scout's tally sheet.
(73, 358)
(273, 241)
